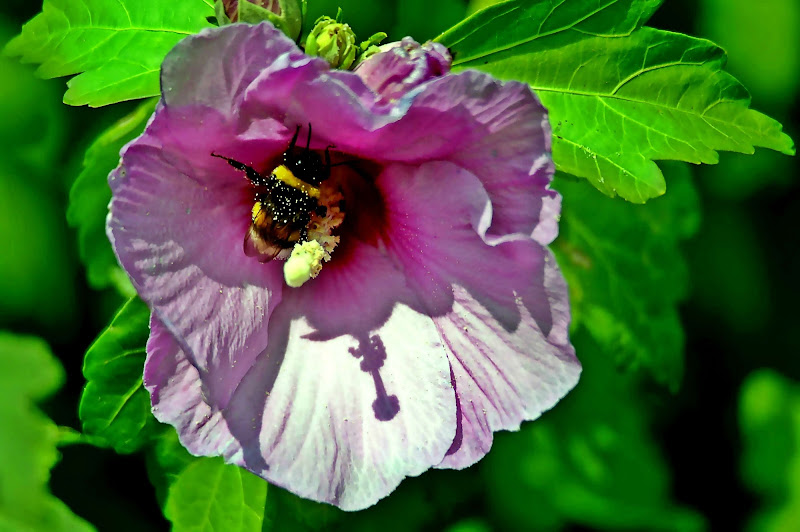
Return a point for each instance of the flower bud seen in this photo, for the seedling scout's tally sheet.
(400, 66)
(333, 41)
(286, 15)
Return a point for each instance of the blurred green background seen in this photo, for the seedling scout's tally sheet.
(619, 452)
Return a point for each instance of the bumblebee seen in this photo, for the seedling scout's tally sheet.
(284, 200)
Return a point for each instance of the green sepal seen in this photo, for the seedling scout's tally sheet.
(219, 12)
(370, 46)
(290, 21)
(334, 41)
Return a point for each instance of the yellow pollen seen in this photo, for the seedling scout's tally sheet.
(285, 175)
(307, 257)
(305, 263)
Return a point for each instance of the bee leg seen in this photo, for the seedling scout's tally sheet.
(256, 178)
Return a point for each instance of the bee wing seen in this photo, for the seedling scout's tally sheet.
(255, 245)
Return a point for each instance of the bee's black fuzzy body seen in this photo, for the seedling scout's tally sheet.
(284, 200)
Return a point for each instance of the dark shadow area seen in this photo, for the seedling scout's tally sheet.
(372, 353)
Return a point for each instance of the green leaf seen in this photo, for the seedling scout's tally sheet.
(205, 494)
(591, 461)
(168, 464)
(209, 495)
(620, 96)
(769, 416)
(114, 407)
(626, 272)
(90, 195)
(166, 458)
(286, 512)
(116, 46)
(28, 439)
(510, 24)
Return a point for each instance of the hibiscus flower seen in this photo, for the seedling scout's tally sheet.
(440, 315)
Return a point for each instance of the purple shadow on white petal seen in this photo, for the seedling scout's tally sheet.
(316, 429)
(372, 353)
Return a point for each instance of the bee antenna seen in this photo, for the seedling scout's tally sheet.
(308, 142)
(294, 138)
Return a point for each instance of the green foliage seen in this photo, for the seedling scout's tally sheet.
(90, 195)
(769, 416)
(197, 494)
(166, 458)
(209, 495)
(205, 494)
(116, 46)
(114, 407)
(286, 512)
(28, 439)
(437, 15)
(590, 461)
(415, 505)
(36, 272)
(238, 501)
(361, 16)
(33, 128)
(755, 35)
(619, 95)
(506, 25)
(626, 272)
(470, 525)
(730, 280)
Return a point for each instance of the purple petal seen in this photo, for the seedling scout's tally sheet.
(402, 66)
(215, 67)
(435, 214)
(502, 310)
(177, 221)
(498, 131)
(512, 156)
(506, 372)
(360, 283)
(178, 397)
(441, 317)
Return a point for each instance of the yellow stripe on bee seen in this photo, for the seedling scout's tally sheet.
(256, 209)
(285, 175)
